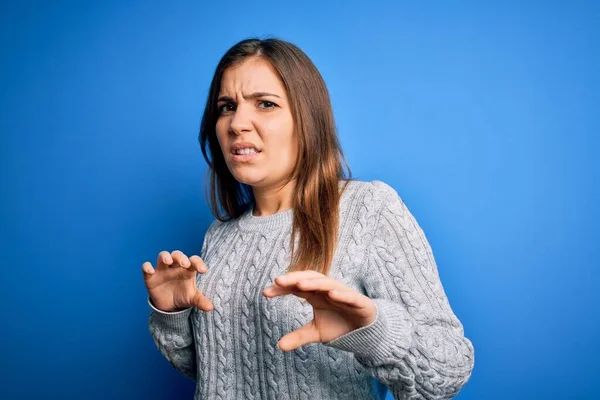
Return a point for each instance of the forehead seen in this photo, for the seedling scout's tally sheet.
(251, 75)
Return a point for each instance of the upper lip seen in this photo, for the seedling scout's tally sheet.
(243, 145)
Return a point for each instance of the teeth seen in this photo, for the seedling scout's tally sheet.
(245, 151)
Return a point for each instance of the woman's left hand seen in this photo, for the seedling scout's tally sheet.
(337, 308)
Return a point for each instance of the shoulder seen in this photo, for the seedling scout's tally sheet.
(214, 234)
(372, 194)
(217, 228)
(365, 202)
(215, 224)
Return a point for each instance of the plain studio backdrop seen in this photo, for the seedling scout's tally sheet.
(484, 117)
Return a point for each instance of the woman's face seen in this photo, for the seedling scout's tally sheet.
(255, 128)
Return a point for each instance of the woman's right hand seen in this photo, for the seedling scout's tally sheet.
(172, 285)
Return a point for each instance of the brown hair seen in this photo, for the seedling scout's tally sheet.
(318, 168)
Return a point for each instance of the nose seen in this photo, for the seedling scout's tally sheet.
(241, 121)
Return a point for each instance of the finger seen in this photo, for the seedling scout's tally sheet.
(202, 302)
(180, 260)
(349, 298)
(147, 270)
(324, 284)
(320, 284)
(275, 291)
(198, 264)
(164, 260)
(339, 299)
(292, 277)
(301, 336)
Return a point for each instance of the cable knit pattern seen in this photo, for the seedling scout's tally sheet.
(251, 389)
(415, 347)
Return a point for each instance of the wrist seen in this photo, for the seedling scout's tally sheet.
(165, 310)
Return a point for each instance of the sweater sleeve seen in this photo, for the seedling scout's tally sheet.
(173, 333)
(416, 345)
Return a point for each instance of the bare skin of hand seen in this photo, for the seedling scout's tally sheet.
(337, 308)
(172, 285)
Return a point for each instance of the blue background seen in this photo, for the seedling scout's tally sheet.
(484, 117)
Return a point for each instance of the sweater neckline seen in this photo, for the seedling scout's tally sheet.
(266, 223)
(249, 222)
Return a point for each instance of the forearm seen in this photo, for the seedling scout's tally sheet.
(414, 360)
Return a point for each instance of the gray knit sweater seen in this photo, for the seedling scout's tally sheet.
(415, 347)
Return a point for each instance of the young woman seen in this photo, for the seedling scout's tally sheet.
(310, 285)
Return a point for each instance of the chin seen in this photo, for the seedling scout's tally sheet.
(249, 177)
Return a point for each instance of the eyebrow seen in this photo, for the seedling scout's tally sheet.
(248, 96)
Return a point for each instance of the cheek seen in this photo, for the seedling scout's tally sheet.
(280, 135)
(292, 140)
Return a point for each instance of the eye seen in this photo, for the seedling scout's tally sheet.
(266, 104)
(224, 108)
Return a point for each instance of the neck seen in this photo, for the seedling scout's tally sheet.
(273, 200)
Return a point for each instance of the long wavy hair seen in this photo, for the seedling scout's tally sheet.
(318, 170)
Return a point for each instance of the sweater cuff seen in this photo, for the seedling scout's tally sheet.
(177, 320)
(392, 330)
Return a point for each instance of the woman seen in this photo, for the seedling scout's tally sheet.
(352, 305)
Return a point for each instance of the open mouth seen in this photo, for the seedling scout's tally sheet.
(245, 154)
